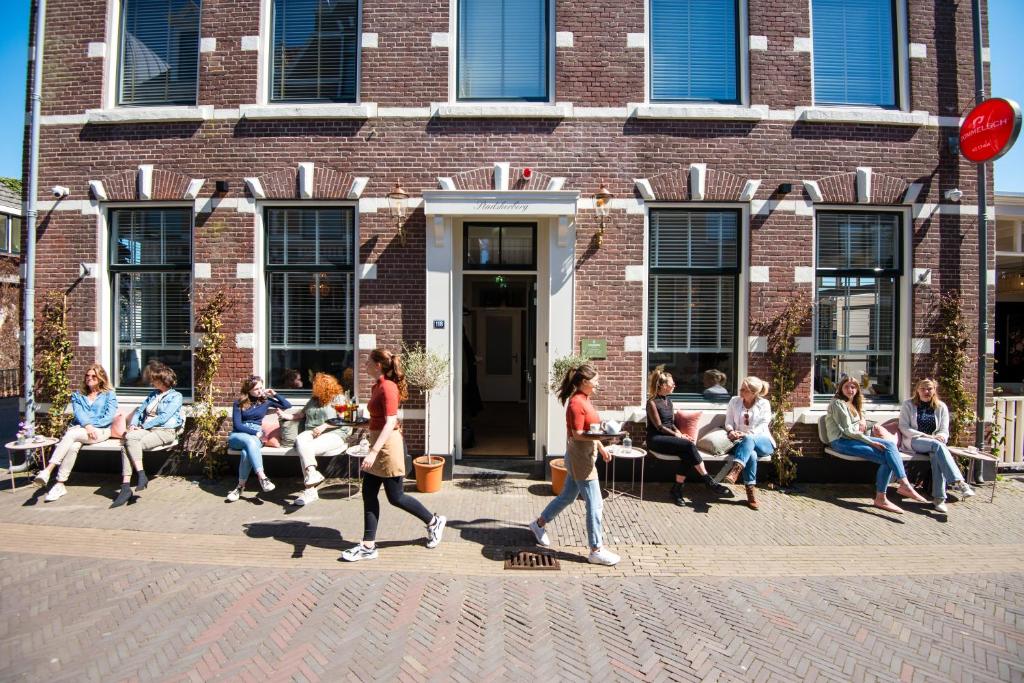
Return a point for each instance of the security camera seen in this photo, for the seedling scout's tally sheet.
(59, 191)
(954, 195)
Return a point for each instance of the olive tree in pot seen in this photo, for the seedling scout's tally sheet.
(426, 371)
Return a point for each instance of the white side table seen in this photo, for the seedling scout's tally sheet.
(33, 449)
(632, 454)
(358, 454)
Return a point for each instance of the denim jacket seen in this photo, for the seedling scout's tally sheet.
(100, 413)
(168, 413)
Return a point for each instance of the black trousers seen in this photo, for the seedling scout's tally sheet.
(685, 450)
(395, 491)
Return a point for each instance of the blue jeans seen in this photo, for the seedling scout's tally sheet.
(748, 450)
(252, 453)
(890, 464)
(590, 489)
(944, 469)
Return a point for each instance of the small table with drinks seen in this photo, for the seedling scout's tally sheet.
(626, 451)
(34, 448)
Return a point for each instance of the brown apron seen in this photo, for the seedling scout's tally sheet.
(582, 456)
(390, 461)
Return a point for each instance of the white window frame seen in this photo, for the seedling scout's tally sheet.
(742, 306)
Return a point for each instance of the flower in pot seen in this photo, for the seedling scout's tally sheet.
(426, 371)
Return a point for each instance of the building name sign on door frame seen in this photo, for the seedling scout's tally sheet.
(506, 206)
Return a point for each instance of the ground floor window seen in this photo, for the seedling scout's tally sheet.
(151, 271)
(310, 278)
(693, 290)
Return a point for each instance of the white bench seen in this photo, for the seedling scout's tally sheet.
(906, 455)
(115, 446)
(709, 422)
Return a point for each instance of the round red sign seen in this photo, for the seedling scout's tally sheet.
(989, 130)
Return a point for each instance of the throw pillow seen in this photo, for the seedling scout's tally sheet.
(271, 427)
(289, 432)
(716, 442)
(890, 431)
(688, 422)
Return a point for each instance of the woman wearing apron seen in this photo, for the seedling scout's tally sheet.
(385, 464)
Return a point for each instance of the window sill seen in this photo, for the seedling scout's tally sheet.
(362, 110)
(707, 112)
(500, 110)
(861, 115)
(143, 114)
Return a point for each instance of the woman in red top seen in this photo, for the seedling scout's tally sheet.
(385, 463)
(581, 459)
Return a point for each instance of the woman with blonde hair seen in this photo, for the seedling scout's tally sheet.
(747, 421)
(93, 408)
(924, 423)
(664, 437)
(318, 437)
(846, 430)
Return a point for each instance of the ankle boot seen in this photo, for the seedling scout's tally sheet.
(752, 497)
(676, 493)
(734, 473)
(717, 488)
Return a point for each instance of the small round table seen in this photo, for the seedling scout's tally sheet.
(358, 453)
(632, 454)
(35, 449)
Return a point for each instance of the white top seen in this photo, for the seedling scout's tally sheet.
(908, 421)
(759, 417)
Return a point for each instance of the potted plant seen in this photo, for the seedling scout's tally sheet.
(426, 371)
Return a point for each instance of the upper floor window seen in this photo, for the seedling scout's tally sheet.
(693, 290)
(10, 234)
(315, 50)
(854, 52)
(503, 50)
(159, 52)
(694, 50)
(856, 289)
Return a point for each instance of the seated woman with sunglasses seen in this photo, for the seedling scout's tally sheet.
(747, 422)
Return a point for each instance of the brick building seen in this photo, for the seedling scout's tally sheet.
(757, 152)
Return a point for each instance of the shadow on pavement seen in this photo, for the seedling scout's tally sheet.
(297, 534)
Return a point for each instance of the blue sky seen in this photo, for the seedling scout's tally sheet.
(1006, 24)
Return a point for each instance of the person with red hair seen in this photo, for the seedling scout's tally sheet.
(318, 437)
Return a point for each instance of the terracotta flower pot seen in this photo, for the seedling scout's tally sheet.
(429, 471)
(557, 475)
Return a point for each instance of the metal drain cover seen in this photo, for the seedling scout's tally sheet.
(526, 559)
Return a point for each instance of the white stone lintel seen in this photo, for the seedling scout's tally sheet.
(446, 183)
(358, 110)
(813, 191)
(703, 112)
(501, 176)
(255, 188)
(643, 186)
(555, 184)
(145, 181)
(749, 190)
(306, 171)
(358, 186)
(513, 110)
(98, 191)
(698, 181)
(194, 186)
(863, 184)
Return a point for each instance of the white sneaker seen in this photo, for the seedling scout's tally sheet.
(267, 485)
(234, 495)
(42, 479)
(435, 530)
(541, 534)
(605, 557)
(313, 478)
(306, 497)
(360, 552)
(55, 492)
(963, 488)
(940, 506)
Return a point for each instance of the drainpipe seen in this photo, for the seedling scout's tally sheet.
(29, 329)
(979, 96)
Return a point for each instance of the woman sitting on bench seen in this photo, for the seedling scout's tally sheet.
(318, 437)
(747, 422)
(845, 427)
(246, 429)
(924, 422)
(93, 407)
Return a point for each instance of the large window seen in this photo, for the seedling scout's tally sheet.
(694, 50)
(694, 263)
(151, 268)
(315, 50)
(854, 52)
(856, 290)
(311, 294)
(503, 50)
(159, 52)
(10, 234)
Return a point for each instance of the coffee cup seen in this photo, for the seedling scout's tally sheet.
(595, 428)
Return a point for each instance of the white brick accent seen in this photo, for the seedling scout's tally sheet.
(201, 271)
(97, 50)
(922, 276)
(803, 274)
(306, 180)
(145, 181)
(255, 188)
(97, 189)
(245, 271)
(804, 345)
(439, 40)
(636, 274)
(368, 271)
(757, 344)
(813, 191)
(698, 181)
(446, 183)
(208, 45)
(245, 340)
(85, 270)
(250, 43)
(636, 40)
(801, 44)
(990, 343)
(643, 186)
(921, 345)
(759, 273)
(749, 190)
(918, 51)
(564, 39)
(358, 185)
(633, 344)
(88, 338)
(986, 55)
(501, 176)
(367, 342)
(990, 280)
(194, 186)
(554, 185)
(369, 41)
(912, 193)
(863, 184)
(758, 42)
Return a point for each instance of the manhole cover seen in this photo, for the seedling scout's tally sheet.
(530, 560)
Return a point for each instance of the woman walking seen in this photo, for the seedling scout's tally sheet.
(318, 437)
(581, 463)
(845, 427)
(924, 422)
(93, 407)
(247, 427)
(385, 463)
(747, 422)
(663, 437)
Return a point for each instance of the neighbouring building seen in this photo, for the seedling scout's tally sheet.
(10, 291)
(757, 154)
(1009, 330)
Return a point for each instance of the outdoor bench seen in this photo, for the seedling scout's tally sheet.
(709, 422)
(905, 454)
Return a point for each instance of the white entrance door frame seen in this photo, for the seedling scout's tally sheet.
(554, 212)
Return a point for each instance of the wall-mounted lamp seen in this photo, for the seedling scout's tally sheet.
(398, 205)
(603, 206)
